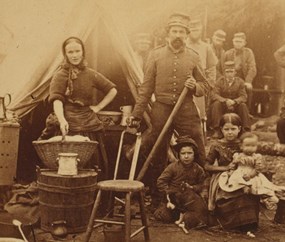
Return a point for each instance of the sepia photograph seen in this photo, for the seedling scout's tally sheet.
(142, 120)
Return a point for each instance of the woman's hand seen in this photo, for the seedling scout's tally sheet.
(64, 127)
(96, 108)
(246, 177)
(231, 166)
(59, 112)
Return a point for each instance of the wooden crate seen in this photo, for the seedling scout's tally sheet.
(9, 140)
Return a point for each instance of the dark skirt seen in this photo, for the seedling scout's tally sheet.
(238, 213)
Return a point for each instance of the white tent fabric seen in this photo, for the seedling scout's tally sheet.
(28, 68)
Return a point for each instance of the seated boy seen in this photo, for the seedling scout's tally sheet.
(186, 173)
(229, 95)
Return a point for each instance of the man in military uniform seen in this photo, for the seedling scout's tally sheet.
(244, 62)
(229, 95)
(218, 39)
(208, 62)
(168, 70)
(206, 53)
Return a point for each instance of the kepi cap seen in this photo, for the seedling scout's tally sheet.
(229, 65)
(179, 19)
(184, 141)
(195, 24)
(220, 34)
(239, 36)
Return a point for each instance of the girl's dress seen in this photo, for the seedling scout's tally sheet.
(232, 209)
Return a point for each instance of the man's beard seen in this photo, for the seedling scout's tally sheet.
(177, 43)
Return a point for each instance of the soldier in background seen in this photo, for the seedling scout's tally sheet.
(229, 96)
(208, 62)
(218, 39)
(244, 63)
(206, 53)
(142, 46)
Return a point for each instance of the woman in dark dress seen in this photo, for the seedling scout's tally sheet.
(71, 93)
(234, 210)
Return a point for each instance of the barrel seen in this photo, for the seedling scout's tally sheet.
(68, 198)
(280, 212)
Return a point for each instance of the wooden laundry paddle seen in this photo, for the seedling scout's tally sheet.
(162, 133)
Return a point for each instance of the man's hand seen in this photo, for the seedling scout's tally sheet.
(230, 104)
(133, 122)
(190, 83)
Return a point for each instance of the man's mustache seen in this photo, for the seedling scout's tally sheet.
(178, 40)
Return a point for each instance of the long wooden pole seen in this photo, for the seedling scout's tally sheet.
(162, 133)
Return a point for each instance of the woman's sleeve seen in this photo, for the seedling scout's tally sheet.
(58, 87)
(102, 83)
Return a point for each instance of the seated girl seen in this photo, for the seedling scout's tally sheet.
(182, 181)
(233, 210)
(246, 172)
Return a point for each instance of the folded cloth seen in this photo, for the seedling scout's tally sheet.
(24, 201)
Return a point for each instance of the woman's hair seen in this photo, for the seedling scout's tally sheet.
(195, 150)
(70, 40)
(232, 118)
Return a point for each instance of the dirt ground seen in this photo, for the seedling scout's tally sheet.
(268, 230)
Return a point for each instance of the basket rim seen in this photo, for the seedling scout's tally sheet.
(64, 141)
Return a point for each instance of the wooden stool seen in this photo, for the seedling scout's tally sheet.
(125, 186)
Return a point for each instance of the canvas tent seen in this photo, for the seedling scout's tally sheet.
(33, 58)
(35, 54)
(27, 69)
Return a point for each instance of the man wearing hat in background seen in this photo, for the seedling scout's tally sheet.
(168, 70)
(229, 95)
(244, 62)
(206, 53)
(208, 62)
(142, 47)
(218, 39)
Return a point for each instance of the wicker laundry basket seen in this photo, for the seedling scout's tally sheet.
(48, 151)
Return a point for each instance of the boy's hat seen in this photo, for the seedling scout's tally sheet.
(229, 65)
(184, 141)
(220, 34)
(239, 36)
